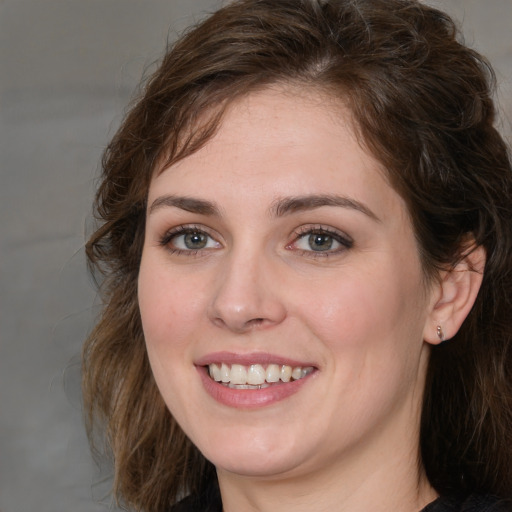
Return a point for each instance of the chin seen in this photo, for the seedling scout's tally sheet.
(252, 455)
(255, 466)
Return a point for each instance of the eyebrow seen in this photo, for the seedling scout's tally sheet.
(188, 204)
(288, 205)
(280, 208)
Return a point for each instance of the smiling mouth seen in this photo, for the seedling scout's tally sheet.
(256, 376)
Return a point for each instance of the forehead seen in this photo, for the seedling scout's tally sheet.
(281, 141)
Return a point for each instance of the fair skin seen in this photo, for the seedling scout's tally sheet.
(280, 242)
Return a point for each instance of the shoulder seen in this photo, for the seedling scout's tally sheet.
(473, 503)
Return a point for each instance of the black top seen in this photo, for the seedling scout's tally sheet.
(473, 503)
(211, 502)
(208, 502)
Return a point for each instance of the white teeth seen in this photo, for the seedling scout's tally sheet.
(238, 374)
(286, 373)
(215, 373)
(297, 373)
(256, 375)
(273, 373)
(225, 373)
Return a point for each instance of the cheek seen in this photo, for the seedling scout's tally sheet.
(371, 315)
(168, 308)
(166, 319)
(352, 310)
(372, 330)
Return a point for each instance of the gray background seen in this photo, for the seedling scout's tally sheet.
(67, 70)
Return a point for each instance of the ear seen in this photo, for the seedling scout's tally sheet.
(453, 296)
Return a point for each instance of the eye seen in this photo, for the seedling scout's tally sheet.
(319, 240)
(189, 239)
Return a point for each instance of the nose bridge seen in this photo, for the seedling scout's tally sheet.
(246, 295)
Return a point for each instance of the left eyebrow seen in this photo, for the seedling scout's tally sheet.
(288, 205)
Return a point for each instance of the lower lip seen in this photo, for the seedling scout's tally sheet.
(250, 398)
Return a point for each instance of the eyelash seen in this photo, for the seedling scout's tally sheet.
(344, 240)
(174, 233)
(299, 234)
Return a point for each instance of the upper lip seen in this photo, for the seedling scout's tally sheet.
(262, 358)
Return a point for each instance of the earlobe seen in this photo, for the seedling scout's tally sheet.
(454, 295)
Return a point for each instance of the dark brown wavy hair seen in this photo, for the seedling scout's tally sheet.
(422, 104)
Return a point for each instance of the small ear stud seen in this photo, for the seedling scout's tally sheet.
(440, 333)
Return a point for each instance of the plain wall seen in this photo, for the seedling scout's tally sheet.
(67, 70)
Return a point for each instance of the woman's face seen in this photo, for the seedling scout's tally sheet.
(280, 262)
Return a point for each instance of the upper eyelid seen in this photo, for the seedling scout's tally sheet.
(183, 229)
(311, 228)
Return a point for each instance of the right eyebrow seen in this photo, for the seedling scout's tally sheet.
(188, 204)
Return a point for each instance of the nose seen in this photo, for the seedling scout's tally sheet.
(247, 296)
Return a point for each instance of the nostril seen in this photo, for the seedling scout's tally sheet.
(219, 322)
(254, 322)
(242, 326)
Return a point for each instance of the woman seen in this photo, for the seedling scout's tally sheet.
(306, 248)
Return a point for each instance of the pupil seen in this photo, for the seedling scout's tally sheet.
(319, 242)
(195, 240)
